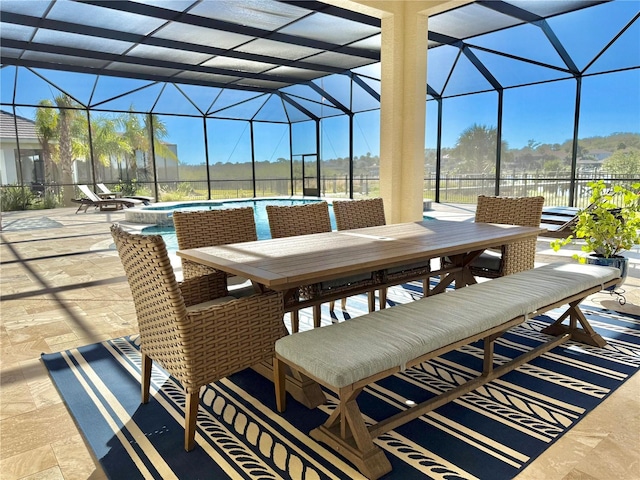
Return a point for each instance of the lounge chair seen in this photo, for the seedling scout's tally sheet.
(104, 204)
(559, 221)
(106, 193)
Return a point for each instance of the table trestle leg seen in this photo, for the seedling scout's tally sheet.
(586, 334)
(346, 432)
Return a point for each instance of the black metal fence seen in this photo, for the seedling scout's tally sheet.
(453, 189)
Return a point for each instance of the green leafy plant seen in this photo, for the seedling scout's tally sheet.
(15, 197)
(132, 187)
(49, 200)
(611, 222)
(126, 187)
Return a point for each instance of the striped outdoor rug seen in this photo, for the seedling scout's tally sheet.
(490, 433)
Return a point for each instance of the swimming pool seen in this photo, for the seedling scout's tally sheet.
(259, 208)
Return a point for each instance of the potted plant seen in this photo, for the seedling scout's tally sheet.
(609, 225)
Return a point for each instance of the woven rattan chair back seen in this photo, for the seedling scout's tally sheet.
(197, 341)
(359, 213)
(212, 227)
(523, 211)
(160, 307)
(292, 220)
(370, 213)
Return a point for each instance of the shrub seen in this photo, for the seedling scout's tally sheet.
(50, 200)
(128, 187)
(15, 197)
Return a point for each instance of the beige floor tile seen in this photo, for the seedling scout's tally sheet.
(42, 306)
(22, 334)
(53, 473)
(4, 337)
(55, 342)
(76, 461)
(23, 351)
(16, 403)
(576, 474)
(35, 429)
(611, 459)
(42, 389)
(37, 461)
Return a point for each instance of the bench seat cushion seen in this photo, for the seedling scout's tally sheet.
(343, 353)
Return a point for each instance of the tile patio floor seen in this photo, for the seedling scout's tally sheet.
(62, 287)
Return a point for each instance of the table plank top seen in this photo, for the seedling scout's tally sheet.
(285, 263)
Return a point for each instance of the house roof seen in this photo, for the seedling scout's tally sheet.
(8, 123)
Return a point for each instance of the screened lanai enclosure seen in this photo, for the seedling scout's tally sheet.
(204, 99)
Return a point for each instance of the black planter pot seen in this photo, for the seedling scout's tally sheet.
(618, 261)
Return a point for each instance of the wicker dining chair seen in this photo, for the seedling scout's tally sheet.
(195, 336)
(205, 228)
(369, 212)
(515, 257)
(292, 220)
(306, 219)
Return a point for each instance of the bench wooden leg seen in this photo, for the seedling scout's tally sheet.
(487, 364)
(371, 300)
(346, 432)
(586, 334)
(426, 287)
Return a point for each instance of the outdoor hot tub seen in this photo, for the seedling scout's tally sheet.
(161, 214)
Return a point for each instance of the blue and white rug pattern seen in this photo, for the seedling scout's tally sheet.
(491, 432)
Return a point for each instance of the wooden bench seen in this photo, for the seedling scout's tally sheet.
(348, 356)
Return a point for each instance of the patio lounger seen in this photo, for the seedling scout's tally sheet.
(106, 193)
(104, 204)
(559, 221)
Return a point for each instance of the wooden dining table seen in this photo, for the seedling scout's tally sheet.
(287, 264)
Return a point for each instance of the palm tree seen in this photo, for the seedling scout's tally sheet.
(139, 136)
(63, 124)
(476, 148)
(107, 143)
(47, 132)
(157, 130)
(133, 132)
(71, 131)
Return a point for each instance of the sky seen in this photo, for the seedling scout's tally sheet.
(541, 112)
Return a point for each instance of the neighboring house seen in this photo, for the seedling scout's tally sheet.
(593, 160)
(600, 155)
(27, 168)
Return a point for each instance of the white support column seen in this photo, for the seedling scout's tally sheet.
(402, 112)
(403, 98)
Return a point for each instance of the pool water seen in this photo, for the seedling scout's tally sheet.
(259, 208)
